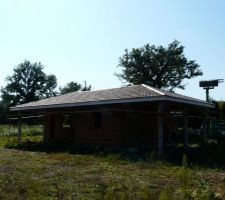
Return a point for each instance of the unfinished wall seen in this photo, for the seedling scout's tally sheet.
(115, 128)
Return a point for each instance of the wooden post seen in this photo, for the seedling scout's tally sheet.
(185, 129)
(204, 126)
(45, 128)
(19, 130)
(9, 128)
(160, 130)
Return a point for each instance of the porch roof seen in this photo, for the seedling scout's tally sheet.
(130, 94)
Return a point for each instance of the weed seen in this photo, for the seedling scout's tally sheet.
(203, 192)
(42, 171)
(167, 194)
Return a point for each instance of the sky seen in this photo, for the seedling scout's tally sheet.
(79, 40)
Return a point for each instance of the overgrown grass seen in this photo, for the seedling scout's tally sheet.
(38, 175)
(30, 133)
(10, 130)
(56, 171)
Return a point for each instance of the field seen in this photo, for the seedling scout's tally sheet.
(34, 171)
(8, 134)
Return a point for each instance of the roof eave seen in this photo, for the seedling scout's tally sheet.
(116, 101)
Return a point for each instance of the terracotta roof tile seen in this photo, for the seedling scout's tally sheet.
(101, 96)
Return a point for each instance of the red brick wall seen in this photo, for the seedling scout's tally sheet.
(117, 128)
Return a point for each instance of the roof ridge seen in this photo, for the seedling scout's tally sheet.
(153, 89)
(80, 91)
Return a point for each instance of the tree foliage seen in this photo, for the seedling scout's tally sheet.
(74, 87)
(158, 66)
(70, 87)
(3, 110)
(86, 87)
(220, 108)
(223, 110)
(28, 83)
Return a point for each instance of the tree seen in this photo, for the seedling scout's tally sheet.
(86, 87)
(220, 108)
(3, 110)
(159, 67)
(74, 87)
(70, 87)
(223, 110)
(28, 83)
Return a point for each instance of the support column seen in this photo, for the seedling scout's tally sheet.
(160, 130)
(207, 94)
(45, 130)
(204, 126)
(185, 113)
(9, 127)
(19, 130)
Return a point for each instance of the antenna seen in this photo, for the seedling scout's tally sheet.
(210, 84)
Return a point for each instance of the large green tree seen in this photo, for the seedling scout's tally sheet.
(158, 66)
(74, 87)
(28, 83)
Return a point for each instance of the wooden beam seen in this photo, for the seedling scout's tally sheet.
(160, 130)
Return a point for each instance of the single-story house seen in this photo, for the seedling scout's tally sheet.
(133, 115)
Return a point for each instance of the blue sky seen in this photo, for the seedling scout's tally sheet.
(81, 40)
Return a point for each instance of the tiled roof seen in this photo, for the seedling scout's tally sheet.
(116, 95)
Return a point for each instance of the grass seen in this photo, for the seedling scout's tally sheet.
(6, 130)
(36, 175)
(8, 134)
(35, 171)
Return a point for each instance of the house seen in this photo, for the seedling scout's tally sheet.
(127, 116)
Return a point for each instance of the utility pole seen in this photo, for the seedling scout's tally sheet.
(207, 94)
